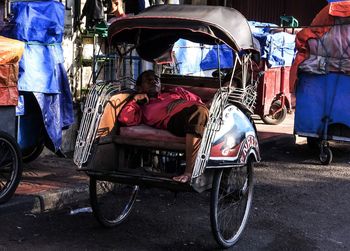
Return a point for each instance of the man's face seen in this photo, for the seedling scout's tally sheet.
(150, 84)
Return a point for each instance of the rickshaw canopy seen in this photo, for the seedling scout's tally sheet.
(156, 29)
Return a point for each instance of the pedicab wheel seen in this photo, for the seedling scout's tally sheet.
(32, 153)
(275, 119)
(231, 199)
(111, 202)
(10, 166)
(326, 156)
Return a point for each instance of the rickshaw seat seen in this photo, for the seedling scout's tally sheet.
(146, 136)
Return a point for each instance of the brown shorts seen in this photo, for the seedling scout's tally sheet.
(191, 120)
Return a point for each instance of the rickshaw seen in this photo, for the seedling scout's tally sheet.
(120, 160)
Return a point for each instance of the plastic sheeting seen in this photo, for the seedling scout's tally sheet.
(41, 25)
(319, 96)
(331, 52)
(40, 21)
(10, 53)
(194, 58)
(210, 61)
(39, 68)
(278, 48)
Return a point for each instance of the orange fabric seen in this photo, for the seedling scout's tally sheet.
(321, 24)
(110, 114)
(340, 9)
(10, 50)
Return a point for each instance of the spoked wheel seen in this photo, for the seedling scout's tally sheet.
(275, 118)
(111, 202)
(231, 199)
(10, 166)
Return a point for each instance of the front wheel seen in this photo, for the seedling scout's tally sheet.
(275, 118)
(10, 166)
(111, 202)
(231, 199)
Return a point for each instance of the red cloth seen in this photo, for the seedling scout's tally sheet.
(8, 84)
(322, 24)
(155, 113)
(340, 9)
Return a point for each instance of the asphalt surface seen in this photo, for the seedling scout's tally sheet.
(298, 204)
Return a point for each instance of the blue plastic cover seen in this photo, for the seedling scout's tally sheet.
(280, 49)
(194, 58)
(40, 21)
(260, 31)
(277, 48)
(318, 96)
(38, 69)
(41, 25)
(210, 61)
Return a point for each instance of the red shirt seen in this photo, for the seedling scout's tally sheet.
(156, 113)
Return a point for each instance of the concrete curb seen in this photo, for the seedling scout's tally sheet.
(50, 200)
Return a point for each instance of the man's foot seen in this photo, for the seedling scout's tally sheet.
(184, 178)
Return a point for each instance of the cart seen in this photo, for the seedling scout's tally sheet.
(10, 155)
(322, 90)
(274, 99)
(121, 160)
(322, 111)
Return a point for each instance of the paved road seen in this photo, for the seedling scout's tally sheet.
(298, 205)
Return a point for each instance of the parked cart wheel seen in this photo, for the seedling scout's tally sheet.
(275, 118)
(10, 166)
(111, 202)
(32, 153)
(326, 155)
(231, 200)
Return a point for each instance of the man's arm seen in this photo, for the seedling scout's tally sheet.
(186, 95)
(131, 114)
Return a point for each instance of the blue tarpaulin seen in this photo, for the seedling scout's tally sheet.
(39, 69)
(280, 49)
(210, 61)
(318, 96)
(277, 48)
(41, 25)
(194, 58)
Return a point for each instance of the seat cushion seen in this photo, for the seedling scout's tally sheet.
(150, 137)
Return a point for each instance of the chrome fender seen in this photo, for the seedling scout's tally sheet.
(235, 141)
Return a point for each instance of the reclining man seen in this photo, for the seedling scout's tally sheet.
(178, 111)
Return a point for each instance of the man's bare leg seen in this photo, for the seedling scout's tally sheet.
(192, 147)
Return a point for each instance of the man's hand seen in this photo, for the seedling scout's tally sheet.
(174, 103)
(141, 98)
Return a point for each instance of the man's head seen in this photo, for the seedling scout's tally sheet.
(148, 82)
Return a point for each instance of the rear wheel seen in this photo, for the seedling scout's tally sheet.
(275, 118)
(231, 199)
(10, 166)
(111, 202)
